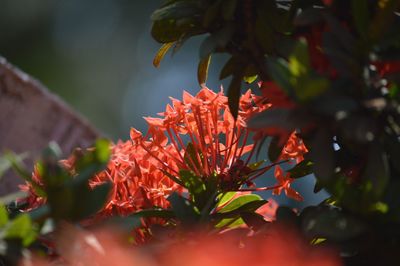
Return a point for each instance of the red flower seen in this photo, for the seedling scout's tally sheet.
(137, 180)
(284, 182)
(294, 149)
(217, 141)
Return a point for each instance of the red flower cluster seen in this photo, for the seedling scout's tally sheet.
(217, 141)
(139, 170)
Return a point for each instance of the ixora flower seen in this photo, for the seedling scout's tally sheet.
(137, 180)
(217, 142)
(197, 134)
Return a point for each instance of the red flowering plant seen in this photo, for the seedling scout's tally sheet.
(167, 180)
(328, 105)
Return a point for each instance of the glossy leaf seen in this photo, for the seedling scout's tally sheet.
(184, 210)
(241, 201)
(301, 169)
(176, 10)
(234, 94)
(161, 53)
(202, 70)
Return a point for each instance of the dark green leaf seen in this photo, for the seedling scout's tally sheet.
(184, 210)
(377, 170)
(250, 206)
(173, 178)
(274, 149)
(361, 16)
(301, 169)
(225, 197)
(286, 215)
(89, 202)
(233, 65)
(193, 183)
(161, 53)
(202, 70)
(330, 223)
(299, 62)
(253, 220)
(177, 10)
(234, 94)
(230, 223)
(276, 117)
(322, 154)
(216, 40)
(278, 69)
(242, 201)
(165, 31)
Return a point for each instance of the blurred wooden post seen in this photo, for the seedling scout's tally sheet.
(31, 117)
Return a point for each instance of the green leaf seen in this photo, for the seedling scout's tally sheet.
(225, 197)
(286, 215)
(90, 201)
(193, 183)
(274, 149)
(218, 39)
(161, 53)
(230, 223)
(172, 177)
(253, 220)
(3, 215)
(21, 227)
(281, 118)
(191, 157)
(256, 165)
(308, 88)
(177, 10)
(233, 65)
(377, 169)
(165, 31)
(250, 73)
(242, 201)
(202, 70)
(102, 151)
(299, 62)
(323, 156)
(361, 16)
(234, 94)
(250, 79)
(279, 71)
(251, 206)
(301, 169)
(184, 210)
(331, 223)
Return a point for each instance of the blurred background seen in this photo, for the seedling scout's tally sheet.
(97, 56)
